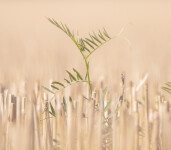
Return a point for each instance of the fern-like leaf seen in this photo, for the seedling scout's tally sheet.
(87, 45)
(65, 29)
(95, 41)
(74, 78)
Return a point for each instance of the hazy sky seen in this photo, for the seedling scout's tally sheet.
(28, 42)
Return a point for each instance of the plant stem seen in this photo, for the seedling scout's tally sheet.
(87, 68)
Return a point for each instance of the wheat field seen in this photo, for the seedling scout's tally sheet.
(127, 109)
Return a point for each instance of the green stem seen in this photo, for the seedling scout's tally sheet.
(88, 75)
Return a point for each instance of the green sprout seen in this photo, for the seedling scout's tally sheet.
(86, 46)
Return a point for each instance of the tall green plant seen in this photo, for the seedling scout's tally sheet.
(86, 46)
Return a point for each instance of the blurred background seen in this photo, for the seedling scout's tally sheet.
(31, 48)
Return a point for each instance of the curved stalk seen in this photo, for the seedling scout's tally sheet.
(87, 68)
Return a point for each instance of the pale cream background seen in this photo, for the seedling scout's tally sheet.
(31, 48)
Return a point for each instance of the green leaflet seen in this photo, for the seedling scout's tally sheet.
(85, 97)
(87, 49)
(96, 38)
(67, 81)
(88, 43)
(63, 27)
(54, 87)
(168, 84)
(106, 34)
(71, 76)
(104, 93)
(167, 88)
(107, 106)
(101, 36)
(69, 32)
(78, 74)
(52, 112)
(139, 102)
(64, 104)
(109, 116)
(86, 76)
(48, 90)
(70, 99)
(55, 82)
(91, 41)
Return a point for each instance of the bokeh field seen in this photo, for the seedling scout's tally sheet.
(134, 115)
